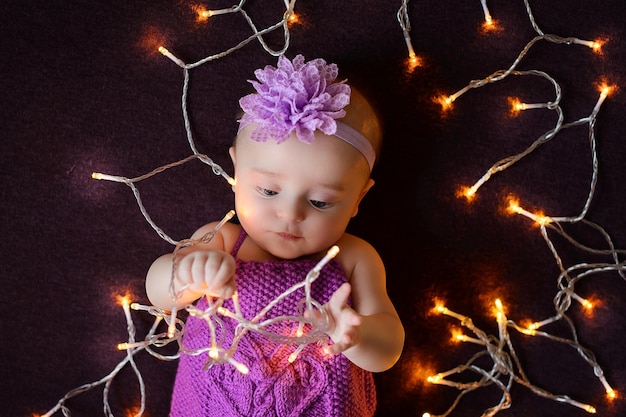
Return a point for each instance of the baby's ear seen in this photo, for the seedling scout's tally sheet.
(231, 152)
(368, 186)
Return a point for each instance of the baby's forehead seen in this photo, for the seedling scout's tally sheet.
(325, 152)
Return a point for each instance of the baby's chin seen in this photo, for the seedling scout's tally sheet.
(289, 249)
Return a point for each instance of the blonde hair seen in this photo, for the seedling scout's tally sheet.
(362, 116)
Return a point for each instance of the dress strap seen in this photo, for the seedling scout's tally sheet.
(240, 239)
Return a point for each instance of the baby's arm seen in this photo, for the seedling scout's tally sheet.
(370, 333)
(202, 269)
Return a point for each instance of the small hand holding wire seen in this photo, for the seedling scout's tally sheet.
(344, 324)
(209, 272)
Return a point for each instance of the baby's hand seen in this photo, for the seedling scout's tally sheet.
(344, 324)
(209, 272)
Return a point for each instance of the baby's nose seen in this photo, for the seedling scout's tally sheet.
(293, 212)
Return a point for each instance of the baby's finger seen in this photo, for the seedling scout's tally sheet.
(340, 346)
(340, 297)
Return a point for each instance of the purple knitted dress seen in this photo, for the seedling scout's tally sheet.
(314, 385)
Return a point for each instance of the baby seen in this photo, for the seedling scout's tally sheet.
(302, 158)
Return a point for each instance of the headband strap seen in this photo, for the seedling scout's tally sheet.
(355, 138)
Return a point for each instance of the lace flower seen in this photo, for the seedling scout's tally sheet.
(294, 95)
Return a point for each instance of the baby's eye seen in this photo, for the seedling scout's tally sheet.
(266, 192)
(320, 204)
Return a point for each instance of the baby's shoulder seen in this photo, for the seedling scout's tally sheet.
(354, 244)
(355, 252)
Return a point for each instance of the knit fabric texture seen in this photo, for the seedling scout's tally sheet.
(314, 385)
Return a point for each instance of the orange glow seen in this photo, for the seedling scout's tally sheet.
(439, 307)
(457, 335)
(123, 300)
(293, 19)
(596, 46)
(444, 101)
(151, 40)
(413, 62)
(416, 373)
(514, 206)
(516, 106)
(469, 193)
(498, 310)
(490, 25)
(589, 305)
(611, 394)
(539, 217)
(528, 327)
(202, 13)
(133, 411)
(433, 379)
(605, 88)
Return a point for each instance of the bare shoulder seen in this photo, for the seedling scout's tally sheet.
(224, 239)
(356, 254)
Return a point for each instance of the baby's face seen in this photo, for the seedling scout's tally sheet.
(296, 199)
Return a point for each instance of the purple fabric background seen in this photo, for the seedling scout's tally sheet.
(82, 93)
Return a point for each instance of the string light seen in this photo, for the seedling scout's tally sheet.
(488, 19)
(506, 366)
(216, 354)
(402, 16)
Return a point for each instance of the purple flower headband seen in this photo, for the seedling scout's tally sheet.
(302, 97)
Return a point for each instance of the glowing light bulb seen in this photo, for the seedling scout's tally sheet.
(214, 353)
(413, 61)
(239, 366)
(171, 56)
(434, 379)
(469, 193)
(426, 415)
(122, 346)
(294, 355)
(611, 394)
(605, 89)
(596, 45)
(171, 329)
(203, 14)
(488, 19)
(516, 105)
(514, 206)
(445, 102)
(124, 300)
(439, 307)
(458, 336)
(299, 331)
(499, 313)
(101, 176)
(293, 19)
(538, 217)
